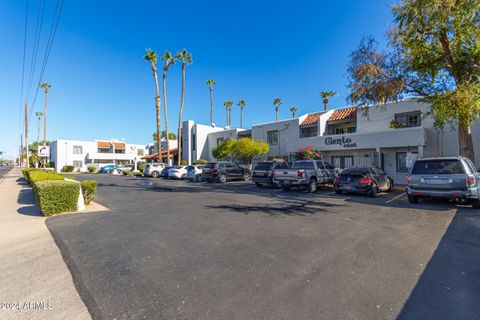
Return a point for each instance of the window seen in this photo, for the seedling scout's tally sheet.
(77, 150)
(345, 130)
(119, 150)
(104, 150)
(303, 165)
(438, 167)
(320, 165)
(402, 161)
(140, 152)
(272, 137)
(411, 119)
(77, 164)
(194, 142)
(342, 162)
(220, 140)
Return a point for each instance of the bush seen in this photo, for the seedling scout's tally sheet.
(56, 196)
(50, 164)
(92, 169)
(142, 166)
(184, 163)
(126, 171)
(35, 176)
(138, 174)
(200, 161)
(68, 168)
(89, 190)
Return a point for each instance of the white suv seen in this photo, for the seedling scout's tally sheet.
(153, 169)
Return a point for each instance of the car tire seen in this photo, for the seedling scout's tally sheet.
(222, 178)
(412, 199)
(285, 188)
(338, 191)
(259, 185)
(475, 203)
(374, 191)
(312, 186)
(246, 176)
(155, 174)
(390, 185)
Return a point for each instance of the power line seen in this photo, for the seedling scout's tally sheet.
(20, 127)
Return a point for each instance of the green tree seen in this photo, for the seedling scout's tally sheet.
(434, 55)
(152, 57)
(39, 116)
(293, 110)
(186, 59)
(326, 95)
(46, 86)
(242, 104)
(277, 102)
(228, 108)
(247, 149)
(171, 135)
(225, 150)
(210, 83)
(168, 60)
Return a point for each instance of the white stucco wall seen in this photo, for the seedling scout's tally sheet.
(286, 129)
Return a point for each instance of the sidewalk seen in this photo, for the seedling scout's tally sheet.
(33, 275)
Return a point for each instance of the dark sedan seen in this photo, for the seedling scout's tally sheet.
(165, 171)
(263, 173)
(369, 181)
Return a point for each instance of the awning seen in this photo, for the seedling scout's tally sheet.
(119, 145)
(343, 114)
(311, 119)
(173, 152)
(103, 144)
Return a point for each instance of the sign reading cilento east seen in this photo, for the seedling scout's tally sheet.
(341, 141)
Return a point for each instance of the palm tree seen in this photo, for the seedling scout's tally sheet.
(242, 104)
(46, 86)
(211, 82)
(186, 59)
(152, 57)
(325, 95)
(277, 102)
(293, 110)
(228, 107)
(39, 116)
(168, 60)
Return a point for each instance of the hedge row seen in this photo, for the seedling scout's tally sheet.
(56, 196)
(89, 190)
(35, 176)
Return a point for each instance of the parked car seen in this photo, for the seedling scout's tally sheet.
(127, 166)
(363, 180)
(107, 169)
(450, 177)
(223, 171)
(194, 172)
(305, 173)
(153, 169)
(263, 173)
(165, 171)
(178, 172)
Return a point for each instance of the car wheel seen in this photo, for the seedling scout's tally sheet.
(374, 191)
(222, 178)
(390, 185)
(246, 176)
(412, 199)
(155, 174)
(312, 186)
(258, 184)
(475, 203)
(338, 191)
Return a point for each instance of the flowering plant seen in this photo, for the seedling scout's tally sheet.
(307, 153)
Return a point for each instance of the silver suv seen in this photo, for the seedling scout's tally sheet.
(153, 169)
(450, 177)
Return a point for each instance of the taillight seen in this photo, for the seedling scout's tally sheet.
(212, 169)
(365, 181)
(299, 174)
(407, 180)
(470, 181)
(337, 178)
(272, 173)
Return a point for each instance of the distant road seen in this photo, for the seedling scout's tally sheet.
(4, 169)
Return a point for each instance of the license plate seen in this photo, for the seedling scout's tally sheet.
(436, 181)
(286, 182)
(347, 187)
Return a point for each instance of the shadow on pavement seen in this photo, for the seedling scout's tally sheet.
(449, 287)
(26, 197)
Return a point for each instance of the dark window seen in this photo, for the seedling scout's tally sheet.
(272, 137)
(303, 165)
(438, 167)
(320, 165)
(282, 165)
(263, 166)
(210, 165)
(410, 119)
(402, 162)
(328, 165)
(355, 171)
(119, 150)
(342, 162)
(194, 142)
(105, 150)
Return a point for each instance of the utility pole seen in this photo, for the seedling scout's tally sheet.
(20, 155)
(26, 135)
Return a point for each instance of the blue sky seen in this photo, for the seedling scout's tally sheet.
(256, 50)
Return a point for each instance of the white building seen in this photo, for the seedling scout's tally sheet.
(98, 153)
(381, 135)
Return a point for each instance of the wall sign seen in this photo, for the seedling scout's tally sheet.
(345, 142)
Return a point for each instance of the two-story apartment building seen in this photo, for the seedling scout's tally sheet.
(99, 153)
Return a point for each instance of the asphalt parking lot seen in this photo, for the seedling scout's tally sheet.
(181, 250)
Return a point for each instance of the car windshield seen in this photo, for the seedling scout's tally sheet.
(438, 167)
(303, 165)
(355, 172)
(210, 165)
(263, 166)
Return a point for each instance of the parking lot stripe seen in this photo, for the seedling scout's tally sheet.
(397, 197)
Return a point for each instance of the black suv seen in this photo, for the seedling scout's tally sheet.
(222, 171)
(263, 173)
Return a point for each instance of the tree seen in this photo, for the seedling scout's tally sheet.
(277, 102)
(325, 95)
(225, 150)
(242, 104)
(46, 86)
(186, 59)
(168, 60)
(39, 116)
(171, 135)
(152, 57)
(210, 83)
(293, 110)
(433, 55)
(228, 108)
(247, 149)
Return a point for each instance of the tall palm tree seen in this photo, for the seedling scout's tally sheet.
(293, 110)
(185, 58)
(242, 104)
(168, 60)
(277, 102)
(45, 86)
(39, 116)
(152, 57)
(228, 107)
(325, 95)
(210, 83)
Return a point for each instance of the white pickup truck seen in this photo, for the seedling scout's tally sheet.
(306, 173)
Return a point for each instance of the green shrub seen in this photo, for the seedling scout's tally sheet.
(200, 161)
(138, 174)
(142, 166)
(35, 176)
(92, 169)
(50, 164)
(89, 190)
(184, 163)
(55, 196)
(126, 171)
(68, 168)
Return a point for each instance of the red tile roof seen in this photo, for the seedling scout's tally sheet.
(343, 114)
(312, 118)
(103, 144)
(173, 152)
(119, 145)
